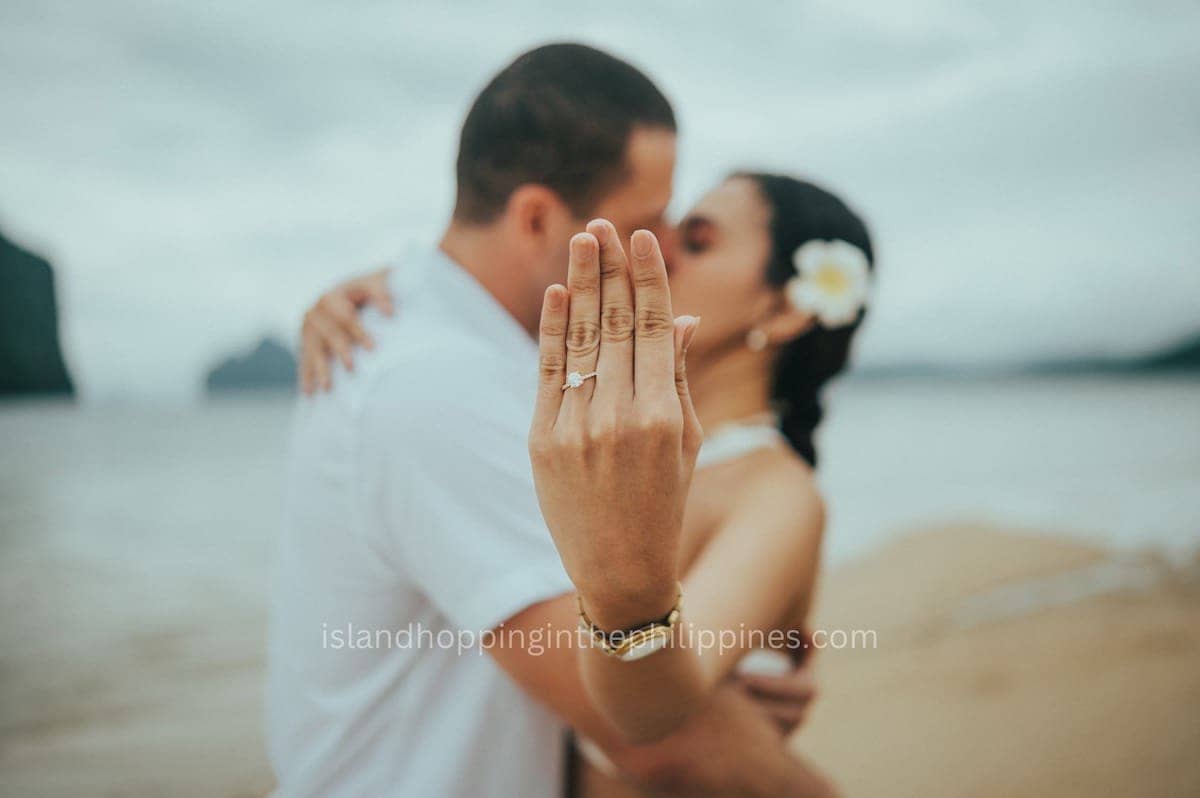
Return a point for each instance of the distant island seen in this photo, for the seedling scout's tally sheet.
(1182, 357)
(31, 360)
(269, 366)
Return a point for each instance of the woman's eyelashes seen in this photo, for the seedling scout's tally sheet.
(696, 234)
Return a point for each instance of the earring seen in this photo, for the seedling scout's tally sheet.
(756, 340)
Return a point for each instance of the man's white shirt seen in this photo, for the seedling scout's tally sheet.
(411, 525)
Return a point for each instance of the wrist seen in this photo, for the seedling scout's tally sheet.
(617, 610)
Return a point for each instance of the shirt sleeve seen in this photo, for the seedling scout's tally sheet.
(456, 496)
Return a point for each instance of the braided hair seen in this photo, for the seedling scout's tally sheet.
(802, 212)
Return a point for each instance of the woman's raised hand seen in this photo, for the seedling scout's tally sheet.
(613, 457)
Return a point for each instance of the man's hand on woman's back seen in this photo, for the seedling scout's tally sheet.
(332, 327)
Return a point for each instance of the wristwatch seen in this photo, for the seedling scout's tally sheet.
(630, 645)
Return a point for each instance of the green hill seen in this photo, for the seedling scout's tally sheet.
(31, 360)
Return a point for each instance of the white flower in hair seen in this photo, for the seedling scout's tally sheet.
(831, 282)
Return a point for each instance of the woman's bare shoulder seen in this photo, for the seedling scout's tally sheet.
(782, 487)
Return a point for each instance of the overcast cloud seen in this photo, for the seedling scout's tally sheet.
(198, 171)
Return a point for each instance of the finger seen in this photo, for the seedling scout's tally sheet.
(380, 296)
(317, 357)
(797, 687)
(552, 336)
(311, 354)
(615, 363)
(786, 716)
(583, 322)
(304, 378)
(303, 369)
(345, 313)
(654, 325)
(685, 331)
(335, 339)
(372, 289)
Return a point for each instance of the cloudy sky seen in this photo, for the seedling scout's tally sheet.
(198, 171)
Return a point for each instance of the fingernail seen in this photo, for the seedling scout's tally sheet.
(642, 243)
(581, 244)
(689, 331)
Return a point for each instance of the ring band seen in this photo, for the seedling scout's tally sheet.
(575, 379)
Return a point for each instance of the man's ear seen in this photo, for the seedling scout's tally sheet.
(535, 212)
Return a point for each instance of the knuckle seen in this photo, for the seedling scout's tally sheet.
(550, 364)
(659, 424)
(552, 328)
(647, 278)
(654, 323)
(582, 336)
(584, 285)
(612, 267)
(604, 433)
(540, 448)
(576, 443)
(616, 323)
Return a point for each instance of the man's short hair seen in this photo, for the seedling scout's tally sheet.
(559, 116)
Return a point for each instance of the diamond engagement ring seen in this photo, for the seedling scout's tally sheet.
(575, 379)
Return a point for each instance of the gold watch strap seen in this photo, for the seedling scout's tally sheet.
(619, 641)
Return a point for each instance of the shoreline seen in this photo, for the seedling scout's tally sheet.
(1083, 694)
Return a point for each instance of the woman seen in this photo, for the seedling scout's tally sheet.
(777, 268)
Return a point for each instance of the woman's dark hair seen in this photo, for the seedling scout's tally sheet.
(802, 212)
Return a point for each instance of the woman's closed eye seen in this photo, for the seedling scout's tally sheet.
(696, 234)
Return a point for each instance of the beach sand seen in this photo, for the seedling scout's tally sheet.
(1005, 664)
(1010, 664)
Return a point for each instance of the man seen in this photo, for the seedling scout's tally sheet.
(411, 507)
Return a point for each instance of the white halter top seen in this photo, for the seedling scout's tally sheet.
(737, 439)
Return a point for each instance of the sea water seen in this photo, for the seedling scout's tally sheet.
(159, 495)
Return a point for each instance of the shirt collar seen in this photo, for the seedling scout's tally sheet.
(477, 308)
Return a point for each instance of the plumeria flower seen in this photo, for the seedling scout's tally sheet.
(831, 281)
